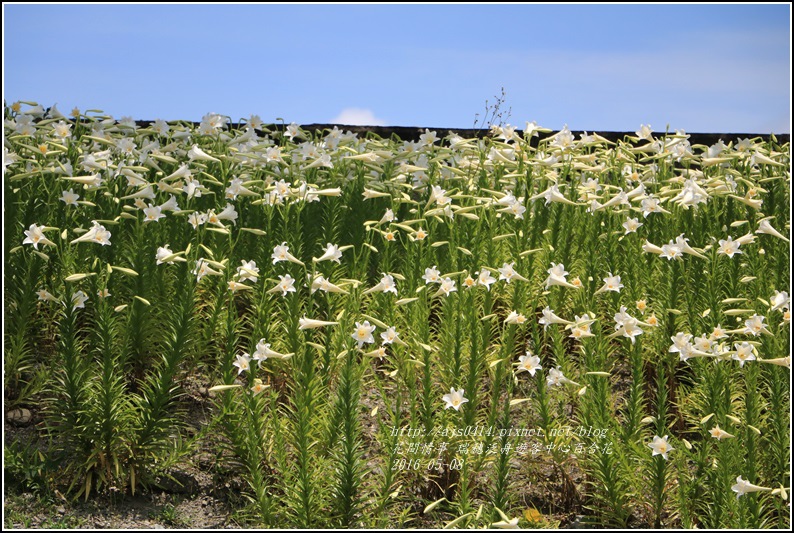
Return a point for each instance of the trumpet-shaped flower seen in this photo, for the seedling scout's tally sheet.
(243, 363)
(308, 323)
(660, 446)
(703, 344)
(432, 275)
(508, 274)
(386, 284)
(248, 271)
(743, 353)
(557, 276)
(35, 235)
(45, 296)
(170, 205)
(506, 524)
(680, 342)
(196, 153)
(146, 192)
(370, 194)
(743, 487)
(236, 286)
(630, 329)
(454, 399)
(550, 318)
(747, 238)
(755, 325)
(192, 187)
(258, 386)
(152, 214)
(621, 317)
(281, 253)
(363, 333)
(506, 200)
(165, 255)
(264, 352)
(438, 195)
(672, 251)
(683, 243)
(236, 188)
(581, 327)
(729, 247)
(61, 130)
(320, 283)
(651, 205)
(765, 227)
(484, 278)
(645, 132)
(69, 197)
(621, 198)
(651, 248)
(553, 194)
(282, 189)
(779, 301)
(447, 286)
(611, 283)
(515, 318)
(720, 434)
(332, 253)
(389, 336)
(323, 160)
(197, 219)
(97, 234)
(203, 269)
(556, 378)
(78, 300)
(528, 363)
(687, 352)
(691, 195)
(286, 284)
(718, 333)
(379, 352)
(388, 217)
(517, 209)
(580, 332)
(626, 325)
(631, 225)
(229, 213)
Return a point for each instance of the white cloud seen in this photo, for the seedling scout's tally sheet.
(356, 116)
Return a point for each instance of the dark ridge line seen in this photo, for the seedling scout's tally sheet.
(407, 133)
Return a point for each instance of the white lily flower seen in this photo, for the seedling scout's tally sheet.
(386, 284)
(308, 323)
(197, 153)
(35, 235)
(660, 446)
(743, 487)
(454, 399)
(97, 234)
(332, 253)
(765, 227)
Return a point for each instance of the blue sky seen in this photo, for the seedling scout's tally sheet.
(702, 68)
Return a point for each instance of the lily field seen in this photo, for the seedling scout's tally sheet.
(528, 329)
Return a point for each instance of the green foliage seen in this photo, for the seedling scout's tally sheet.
(477, 237)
